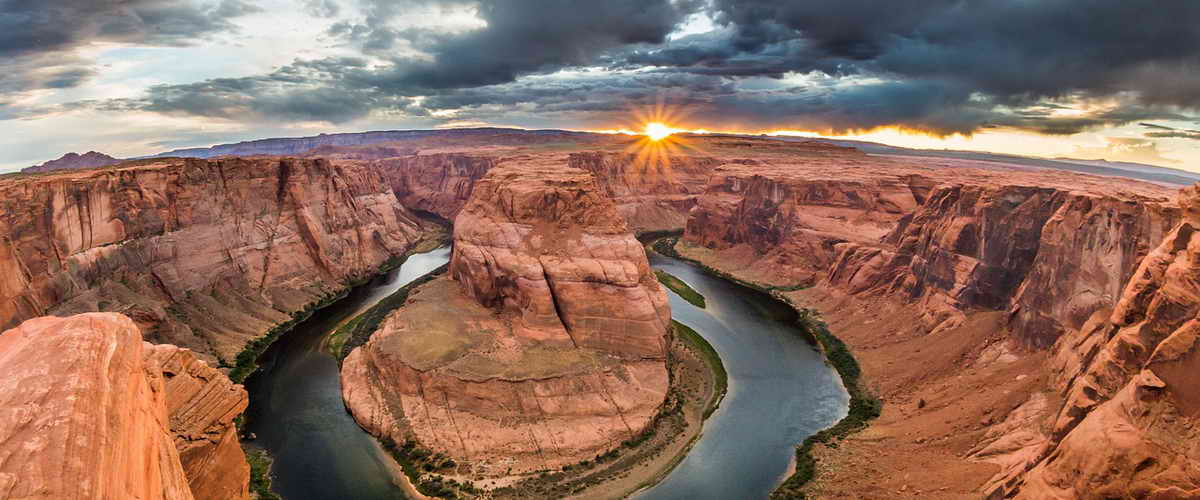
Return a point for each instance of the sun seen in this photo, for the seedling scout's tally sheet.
(657, 131)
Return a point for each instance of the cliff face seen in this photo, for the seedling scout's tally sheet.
(1128, 424)
(1049, 256)
(652, 193)
(202, 404)
(783, 224)
(201, 254)
(546, 348)
(1088, 250)
(437, 183)
(93, 412)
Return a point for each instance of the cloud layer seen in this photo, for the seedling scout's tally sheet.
(941, 66)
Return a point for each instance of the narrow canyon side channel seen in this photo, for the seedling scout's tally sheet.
(780, 391)
(296, 410)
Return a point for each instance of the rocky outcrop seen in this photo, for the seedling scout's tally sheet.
(202, 404)
(437, 183)
(653, 192)
(1049, 256)
(74, 161)
(547, 347)
(202, 254)
(1088, 250)
(945, 242)
(90, 411)
(1128, 426)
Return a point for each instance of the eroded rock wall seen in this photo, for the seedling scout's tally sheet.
(545, 243)
(1049, 256)
(653, 192)
(1128, 424)
(202, 404)
(436, 183)
(942, 241)
(202, 254)
(783, 224)
(91, 411)
(546, 348)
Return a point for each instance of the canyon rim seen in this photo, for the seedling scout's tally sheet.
(645, 249)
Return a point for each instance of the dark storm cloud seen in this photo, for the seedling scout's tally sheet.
(38, 38)
(321, 90)
(1165, 132)
(1002, 47)
(537, 36)
(942, 66)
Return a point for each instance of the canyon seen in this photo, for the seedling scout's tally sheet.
(544, 345)
(1029, 330)
(206, 255)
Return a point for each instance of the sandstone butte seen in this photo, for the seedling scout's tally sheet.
(545, 345)
(1030, 331)
(92, 411)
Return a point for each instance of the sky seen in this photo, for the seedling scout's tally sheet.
(1094, 79)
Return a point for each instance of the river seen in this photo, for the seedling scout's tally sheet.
(780, 391)
(296, 408)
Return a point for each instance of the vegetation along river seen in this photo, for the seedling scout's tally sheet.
(780, 392)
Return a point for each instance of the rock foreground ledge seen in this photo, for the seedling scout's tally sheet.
(545, 347)
(89, 411)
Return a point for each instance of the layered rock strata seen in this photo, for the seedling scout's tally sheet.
(435, 183)
(1128, 426)
(544, 347)
(202, 254)
(653, 192)
(949, 244)
(91, 411)
(783, 224)
(1048, 256)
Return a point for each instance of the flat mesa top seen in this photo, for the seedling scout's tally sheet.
(802, 160)
(439, 328)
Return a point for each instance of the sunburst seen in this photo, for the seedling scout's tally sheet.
(661, 138)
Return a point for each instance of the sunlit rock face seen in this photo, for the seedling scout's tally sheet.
(439, 184)
(946, 241)
(202, 254)
(1128, 427)
(91, 411)
(1049, 256)
(787, 223)
(544, 346)
(652, 192)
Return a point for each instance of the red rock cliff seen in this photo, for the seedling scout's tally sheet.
(547, 347)
(948, 241)
(1128, 426)
(782, 224)
(652, 193)
(436, 183)
(93, 412)
(1050, 256)
(201, 254)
